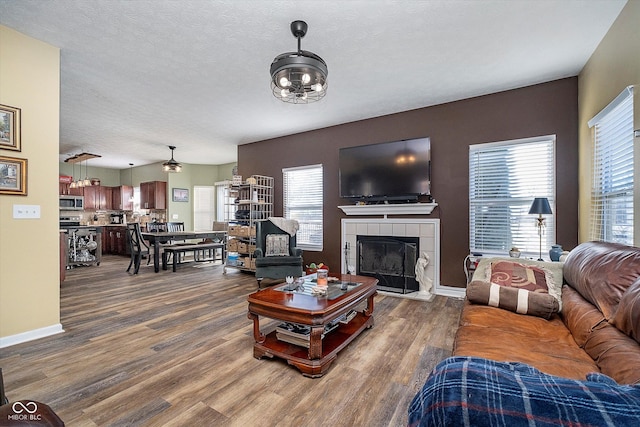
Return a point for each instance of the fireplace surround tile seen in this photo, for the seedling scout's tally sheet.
(427, 230)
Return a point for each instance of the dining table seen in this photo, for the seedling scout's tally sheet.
(156, 238)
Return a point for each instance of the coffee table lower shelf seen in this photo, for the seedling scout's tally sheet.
(299, 356)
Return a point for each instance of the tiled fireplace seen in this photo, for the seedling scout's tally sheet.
(425, 231)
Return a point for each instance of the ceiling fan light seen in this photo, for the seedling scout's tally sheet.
(171, 165)
(303, 74)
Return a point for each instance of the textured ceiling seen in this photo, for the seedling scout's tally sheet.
(137, 76)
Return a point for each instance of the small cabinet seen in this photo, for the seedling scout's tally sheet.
(114, 241)
(97, 197)
(153, 195)
(122, 199)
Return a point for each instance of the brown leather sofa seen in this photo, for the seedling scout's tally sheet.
(597, 329)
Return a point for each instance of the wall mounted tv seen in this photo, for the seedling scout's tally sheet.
(390, 171)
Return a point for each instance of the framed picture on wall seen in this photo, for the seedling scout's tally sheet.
(180, 195)
(13, 176)
(9, 128)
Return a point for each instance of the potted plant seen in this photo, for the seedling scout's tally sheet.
(514, 252)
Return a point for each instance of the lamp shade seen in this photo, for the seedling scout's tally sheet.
(540, 206)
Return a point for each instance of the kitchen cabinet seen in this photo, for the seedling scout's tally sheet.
(122, 199)
(98, 197)
(114, 241)
(153, 195)
(65, 190)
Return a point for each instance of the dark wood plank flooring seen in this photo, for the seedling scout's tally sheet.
(175, 349)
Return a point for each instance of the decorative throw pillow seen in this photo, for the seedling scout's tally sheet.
(277, 245)
(552, 270)
(517, 300)
(517, 275)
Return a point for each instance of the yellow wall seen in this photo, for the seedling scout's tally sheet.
(613, 66)
(29, 249)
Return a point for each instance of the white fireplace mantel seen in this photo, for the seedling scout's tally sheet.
(383, 209)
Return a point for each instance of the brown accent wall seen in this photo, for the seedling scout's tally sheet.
(543, 109)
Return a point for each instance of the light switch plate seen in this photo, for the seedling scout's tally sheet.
(26, 211)
(174, 216)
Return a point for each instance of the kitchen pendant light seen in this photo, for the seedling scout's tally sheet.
(80, 180)
(131, 180)
(87, 181)
(299, 77)
(73, 177)
(171, 165)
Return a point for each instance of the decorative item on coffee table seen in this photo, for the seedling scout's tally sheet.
(313, 268)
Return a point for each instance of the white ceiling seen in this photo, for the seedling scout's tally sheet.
(137, 76)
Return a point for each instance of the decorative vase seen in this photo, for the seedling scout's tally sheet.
(555, 252)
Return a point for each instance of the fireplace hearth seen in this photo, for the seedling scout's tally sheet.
(390, 259)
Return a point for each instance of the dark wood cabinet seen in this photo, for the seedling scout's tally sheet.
(114, 241)
(66, 190)
(122, 199)
(153, 195)
(98, 197)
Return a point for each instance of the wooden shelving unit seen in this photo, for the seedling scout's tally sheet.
(247, 203)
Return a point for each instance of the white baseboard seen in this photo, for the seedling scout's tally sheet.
(450, 291)
(30, 335)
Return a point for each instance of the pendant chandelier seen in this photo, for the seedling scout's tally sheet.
(299, 77)
(73, 177)
(79, 158)
(131, 181)
(171, 165)
(87, 181)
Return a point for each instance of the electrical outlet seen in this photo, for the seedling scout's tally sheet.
(174, 216)
(26, 211)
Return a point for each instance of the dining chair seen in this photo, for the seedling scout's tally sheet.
(156, 226)
(137, 246)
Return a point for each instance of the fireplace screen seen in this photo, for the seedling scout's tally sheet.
(392, 260)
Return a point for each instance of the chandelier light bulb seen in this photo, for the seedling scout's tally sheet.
(284, 93)
(284, 82)
(306, 78)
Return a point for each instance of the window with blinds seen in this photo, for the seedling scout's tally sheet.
(504, 178)
(611, 217)
(303, 197)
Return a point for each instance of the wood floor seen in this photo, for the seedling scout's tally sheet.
(175, 349)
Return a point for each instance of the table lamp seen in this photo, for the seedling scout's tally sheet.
(541, 207)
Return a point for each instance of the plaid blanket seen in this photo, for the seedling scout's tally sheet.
(468, 391)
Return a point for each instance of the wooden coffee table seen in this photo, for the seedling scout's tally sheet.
(315, 312)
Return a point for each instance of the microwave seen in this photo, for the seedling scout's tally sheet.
(71, 203)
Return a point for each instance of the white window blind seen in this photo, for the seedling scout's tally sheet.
(303, 197)
(203, 208)
(504, 178)
(612, 172)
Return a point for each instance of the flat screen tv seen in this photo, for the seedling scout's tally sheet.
(398, 170)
